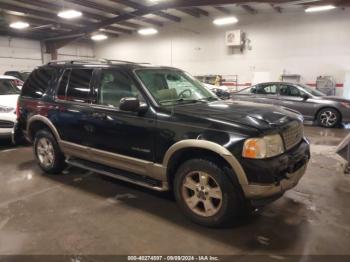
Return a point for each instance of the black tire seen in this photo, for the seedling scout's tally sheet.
(328, 117)
(58, 164)
(229, 209)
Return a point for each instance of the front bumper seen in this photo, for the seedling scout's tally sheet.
(264, 191)
(272, 177)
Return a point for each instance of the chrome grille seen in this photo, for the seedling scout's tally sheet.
(6, 124)
(293, 135)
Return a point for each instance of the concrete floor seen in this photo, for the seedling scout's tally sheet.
(85, 213)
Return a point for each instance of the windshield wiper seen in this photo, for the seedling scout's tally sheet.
(182, 100)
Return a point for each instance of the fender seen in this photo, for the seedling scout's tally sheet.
(44, 120)
(211, 146)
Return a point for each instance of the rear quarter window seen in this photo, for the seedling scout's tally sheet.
(38, 83)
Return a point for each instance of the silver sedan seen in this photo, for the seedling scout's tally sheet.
(328, 111)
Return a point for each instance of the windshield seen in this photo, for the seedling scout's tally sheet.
(311, 91)
(170, 86)
(247, 90)
(7, 88)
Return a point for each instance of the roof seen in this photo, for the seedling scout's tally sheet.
(7, 77)
(104, 63)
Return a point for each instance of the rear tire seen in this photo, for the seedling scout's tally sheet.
(47, 152)
(328, 117)
(206, 194)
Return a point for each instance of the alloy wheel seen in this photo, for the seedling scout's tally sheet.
(202, 194)
(45, 152)
(328, 118)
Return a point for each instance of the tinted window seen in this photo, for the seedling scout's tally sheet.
(79, 85)
(289, 91)
(8, 88)
(38, 82)
(270, 89)
(114, 86)
(61, 93)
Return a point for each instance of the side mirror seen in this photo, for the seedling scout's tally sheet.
(305, 96)
(131, 104)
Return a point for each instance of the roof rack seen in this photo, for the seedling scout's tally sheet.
(87, 61)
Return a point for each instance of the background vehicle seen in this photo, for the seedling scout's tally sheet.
(220, 91)
(158, 127)
(328, 111)
(17, 82)
(21, 75)
(8, 100)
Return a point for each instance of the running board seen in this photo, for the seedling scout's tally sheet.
(119, 174)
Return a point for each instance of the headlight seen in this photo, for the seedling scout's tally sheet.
(347, 105)
(265, 147)
(6, 109)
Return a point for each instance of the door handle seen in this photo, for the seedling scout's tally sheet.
(99, 115)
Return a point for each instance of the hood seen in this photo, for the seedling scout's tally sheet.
(335, 98)
(9, 100)
(256, 115)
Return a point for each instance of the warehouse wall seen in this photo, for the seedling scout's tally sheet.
(23, 54)
(19, 54)
(293, 42)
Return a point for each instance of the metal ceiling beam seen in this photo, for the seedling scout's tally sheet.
(223, 9)
(190, 12)
(249, 9)
(37, 14)
(109, 10)
(201, 11)
(49, 14)
(149, 10)
(278, 9)
(140, 6)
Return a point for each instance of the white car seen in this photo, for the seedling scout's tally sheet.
(9, 93)
(19, 83)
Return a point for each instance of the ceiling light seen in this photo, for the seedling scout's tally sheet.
(19, 25)
(148, 31)
(69, 14)
(225, 21)
(319, 8)
(99, 37)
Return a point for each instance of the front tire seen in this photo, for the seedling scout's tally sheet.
(47, 152)
(206, 194)
(328, 117)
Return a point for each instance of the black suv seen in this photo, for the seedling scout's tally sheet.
(158, 127)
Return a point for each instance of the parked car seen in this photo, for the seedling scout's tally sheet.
(17, 82)
(158, 127)
(220, 91)
(328, 111)
(8, 100)
(21, 75)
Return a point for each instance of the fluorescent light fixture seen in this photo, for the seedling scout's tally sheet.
(226, 20)
(99, 37)
(148, 31)
(319, 8)
(19, 25)
(69, 14)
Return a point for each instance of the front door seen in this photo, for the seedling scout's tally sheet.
(125, 133)
(291, 97)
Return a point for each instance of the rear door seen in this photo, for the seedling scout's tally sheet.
(73, 106)
(266, 93)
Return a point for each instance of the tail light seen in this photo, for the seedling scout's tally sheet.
(17, 82)
(18, 111)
